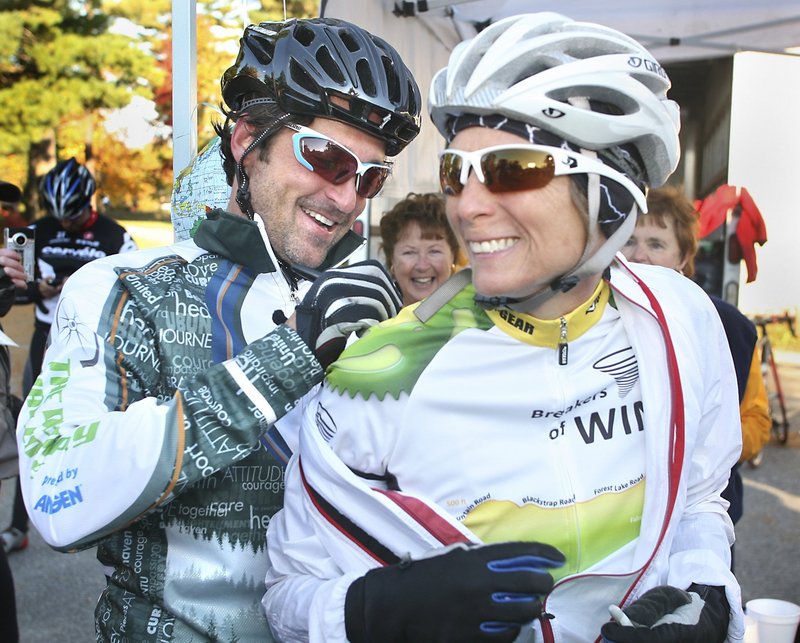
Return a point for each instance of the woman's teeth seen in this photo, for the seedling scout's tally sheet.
(488, 247)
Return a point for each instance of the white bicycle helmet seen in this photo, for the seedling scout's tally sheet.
(530, 67)
(588, 85)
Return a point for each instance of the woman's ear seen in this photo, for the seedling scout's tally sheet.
(241, 137)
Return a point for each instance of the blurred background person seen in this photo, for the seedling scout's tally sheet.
(420, 248)
(71, 234)
(12, 276)
(667, 236)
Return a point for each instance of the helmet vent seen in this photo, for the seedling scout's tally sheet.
(327, 63)
(412, 103)
(303, 34)
(300, 76)
(366, 78)
(392, 80)
(349, 41)
(266, 55)
(263, 53)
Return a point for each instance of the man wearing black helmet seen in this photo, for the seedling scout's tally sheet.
(152, 431)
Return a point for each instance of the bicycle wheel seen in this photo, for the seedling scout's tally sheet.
(777, 405)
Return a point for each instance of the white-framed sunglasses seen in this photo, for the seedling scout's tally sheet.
(335, 163)
(512, 168)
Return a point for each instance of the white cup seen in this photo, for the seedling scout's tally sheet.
(775, 621)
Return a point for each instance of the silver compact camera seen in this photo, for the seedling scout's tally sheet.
(22, 241)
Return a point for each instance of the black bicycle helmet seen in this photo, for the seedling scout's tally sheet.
(66, 190)
(302, 64)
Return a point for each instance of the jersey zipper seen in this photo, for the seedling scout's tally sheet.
(563, 348)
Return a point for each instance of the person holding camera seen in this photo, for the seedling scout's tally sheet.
(11, 277)
(71, 234)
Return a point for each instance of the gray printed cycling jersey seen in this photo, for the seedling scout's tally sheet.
(181, 343)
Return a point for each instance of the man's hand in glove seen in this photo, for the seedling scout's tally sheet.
(478, 593)
(343, 301)
(667, 614)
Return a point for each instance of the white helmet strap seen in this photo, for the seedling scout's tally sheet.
(590, 263)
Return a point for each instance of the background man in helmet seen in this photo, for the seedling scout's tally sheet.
(149, 432)
(544, 445)
(71, 234)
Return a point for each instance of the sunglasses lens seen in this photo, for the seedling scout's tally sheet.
(512, 170)
(332, 162)
(450, 173)
(337, 165)
(508, 170)
(371, 182)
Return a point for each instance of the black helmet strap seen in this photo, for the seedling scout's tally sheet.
(243, 181)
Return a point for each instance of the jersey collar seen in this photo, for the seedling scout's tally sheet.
(547, 332)
(239, 239)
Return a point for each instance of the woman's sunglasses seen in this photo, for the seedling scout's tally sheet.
(511, 168)
(335, 163)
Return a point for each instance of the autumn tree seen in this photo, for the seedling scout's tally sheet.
(61, 66)
(66, 65)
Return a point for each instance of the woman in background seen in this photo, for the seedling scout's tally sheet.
(667, 236)
(420, 248)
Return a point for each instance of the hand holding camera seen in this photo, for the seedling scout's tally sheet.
(12, 267)
(21, 241)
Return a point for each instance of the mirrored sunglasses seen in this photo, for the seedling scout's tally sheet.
(335, 163)
(512, 168)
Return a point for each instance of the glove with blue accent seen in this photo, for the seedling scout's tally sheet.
(463, 593)
(667, 614)
(343, 301)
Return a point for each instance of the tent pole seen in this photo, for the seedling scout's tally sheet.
(184, 83)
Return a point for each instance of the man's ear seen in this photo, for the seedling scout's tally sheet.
(241, 137)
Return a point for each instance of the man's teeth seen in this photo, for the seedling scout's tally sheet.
(318, 217)
(423, 280)
(488, 247)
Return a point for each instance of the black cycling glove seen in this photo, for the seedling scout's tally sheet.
(343, 301)
(667, 614)
(467, 593)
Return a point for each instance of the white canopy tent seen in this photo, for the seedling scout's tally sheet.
(424, 31)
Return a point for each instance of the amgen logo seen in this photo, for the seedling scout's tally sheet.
(55, 503)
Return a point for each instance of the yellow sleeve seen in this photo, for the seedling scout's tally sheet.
(754, 411)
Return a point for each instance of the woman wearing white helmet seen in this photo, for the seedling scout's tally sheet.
(538, 453)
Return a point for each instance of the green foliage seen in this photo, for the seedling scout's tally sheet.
(66, 64)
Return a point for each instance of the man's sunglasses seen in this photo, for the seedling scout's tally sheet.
(335, 163)
(511, 168)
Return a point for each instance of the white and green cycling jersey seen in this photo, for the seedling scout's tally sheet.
(606, 434)
(547, 422)
(146, 433)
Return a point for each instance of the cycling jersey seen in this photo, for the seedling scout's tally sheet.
(163, 370)
(61, 252)
(491, 426)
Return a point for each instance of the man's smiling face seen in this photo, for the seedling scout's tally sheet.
(305, 215)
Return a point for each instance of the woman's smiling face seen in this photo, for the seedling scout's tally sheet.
(420, 263)
(516, 242)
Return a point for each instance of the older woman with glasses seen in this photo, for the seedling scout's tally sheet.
(536, 452)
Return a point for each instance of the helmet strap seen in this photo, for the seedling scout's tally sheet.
(590, 263)
(242, 180)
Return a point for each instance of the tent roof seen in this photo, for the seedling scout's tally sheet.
(671, 29)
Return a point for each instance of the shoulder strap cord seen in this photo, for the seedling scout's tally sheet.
(432, 304)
